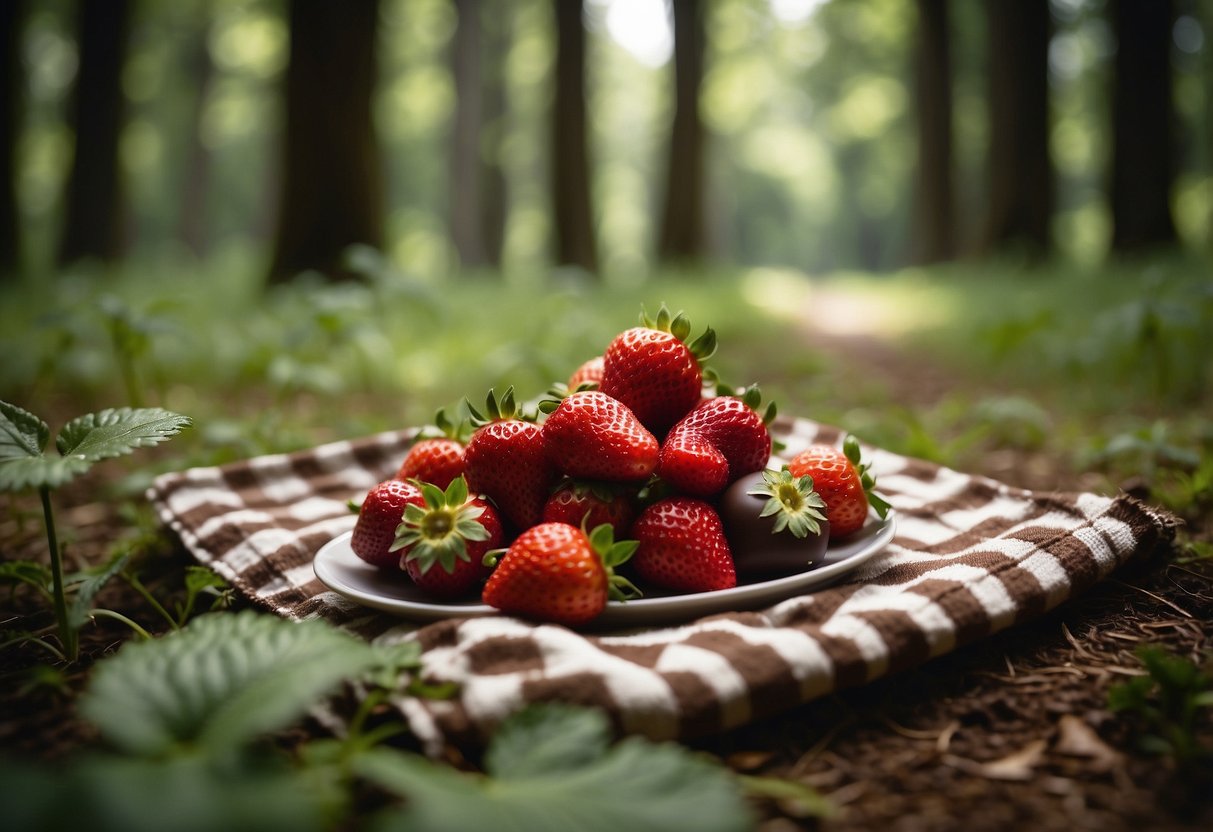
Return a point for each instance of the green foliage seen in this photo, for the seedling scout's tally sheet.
(1168, 701)
(219, 683)
(552, 769)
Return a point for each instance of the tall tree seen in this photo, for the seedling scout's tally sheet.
(682, 223)
(1143, 156)
(477, 184)
(571, 204)
(934, 217)
(11, 17)
(332, 185)
(95, 217)
(191, 224)
(1020, 170)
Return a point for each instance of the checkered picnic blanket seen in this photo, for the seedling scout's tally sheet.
(971, 556)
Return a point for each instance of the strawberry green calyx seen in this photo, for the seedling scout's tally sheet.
(850, 447)
(498, 410)
(440, 531)
(793, 503)
(703, 347)
(614, 553)
(445, 427)
(752, 397)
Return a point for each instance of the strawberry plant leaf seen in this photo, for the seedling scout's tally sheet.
(22, 434)
(554, 771)
(117, 431)
(219, 682)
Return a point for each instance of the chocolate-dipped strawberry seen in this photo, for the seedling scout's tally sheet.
(774, 523)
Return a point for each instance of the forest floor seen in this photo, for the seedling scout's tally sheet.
(1012, 732)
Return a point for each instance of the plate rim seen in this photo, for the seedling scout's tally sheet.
(641, 611)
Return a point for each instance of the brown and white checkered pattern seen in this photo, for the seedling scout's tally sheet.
(972, 556)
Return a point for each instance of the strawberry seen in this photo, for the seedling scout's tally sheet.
(651, 370)
(442, 542)
(436, 459)
(380, 514)
(773, 523)
(590, 435)
(588, 376)
(683, 546)
(505, 460)
(843, 482)
(722, 439)
(589, 505)
(556, 572)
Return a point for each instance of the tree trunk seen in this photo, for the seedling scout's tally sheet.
(571, 204)
(332, 186)
(192, 225)
(1143, 161)
(1021, 174)
(477, 193)
(934, 215)
(94, 221)
(12, 15)
(682, 225)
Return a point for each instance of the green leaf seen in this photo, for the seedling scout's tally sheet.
(29, 572)
(555, 772)
(186, 794)
(114, 432)
(94, 580)
(22, 434)
(219, 683)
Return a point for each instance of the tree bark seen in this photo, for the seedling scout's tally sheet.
(95, 203)
(682, 225)
(1143, 155)
(934, 215)
(332, 186)
(477, 195)
(575, 243)
(12, 15)
(1021, 173)
(192, 223)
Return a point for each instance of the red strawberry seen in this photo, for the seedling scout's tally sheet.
(436, 459)
(589, 505)
(843, 483)
(556, 572)
(381, 512)
(592, 436)
(722, 439)
(654, 373)
(442, 542)
(506, 462)
(683, 547)
(588, 374)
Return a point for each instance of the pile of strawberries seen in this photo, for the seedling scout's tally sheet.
(635, 468)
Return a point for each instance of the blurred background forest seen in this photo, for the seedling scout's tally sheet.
(186, 188)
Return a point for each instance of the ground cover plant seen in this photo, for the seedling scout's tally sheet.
(1098, 714)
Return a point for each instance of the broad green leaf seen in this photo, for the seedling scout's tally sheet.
(220, 682)
(184, 794)
(114, 432)
(636, 785)
(21, 473)
(22, 434)
(547, 739)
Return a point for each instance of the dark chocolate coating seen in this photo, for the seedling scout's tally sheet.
(757, 551)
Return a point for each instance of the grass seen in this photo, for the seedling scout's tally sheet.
(1108, 368)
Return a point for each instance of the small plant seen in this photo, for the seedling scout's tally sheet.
(186, 718)
(1168, 700)
(82, 442)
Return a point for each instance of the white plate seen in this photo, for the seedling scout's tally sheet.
(345, 573)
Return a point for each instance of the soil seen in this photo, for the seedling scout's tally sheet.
(1012, 732)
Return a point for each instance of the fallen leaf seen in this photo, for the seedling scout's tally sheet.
(1078, 739)
(1018, 766)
